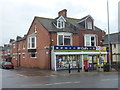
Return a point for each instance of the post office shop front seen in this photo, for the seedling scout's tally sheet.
(62, 56)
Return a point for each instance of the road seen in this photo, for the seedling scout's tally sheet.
(25, 79)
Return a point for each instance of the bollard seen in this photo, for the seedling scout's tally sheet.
(69, 69)
(78, 67)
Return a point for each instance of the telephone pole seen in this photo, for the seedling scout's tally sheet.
(109, 34)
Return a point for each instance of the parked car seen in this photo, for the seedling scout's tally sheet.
(1, 63)
(7, 65)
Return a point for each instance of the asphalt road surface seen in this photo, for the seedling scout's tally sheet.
(25, 79)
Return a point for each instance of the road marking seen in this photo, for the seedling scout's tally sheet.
(21, 75)
(49, 84)
(108, 79)
(62, 83)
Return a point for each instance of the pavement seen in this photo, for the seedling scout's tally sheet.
(39, 72)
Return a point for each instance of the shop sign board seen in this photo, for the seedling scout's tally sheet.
(79, 48)
(74, 48)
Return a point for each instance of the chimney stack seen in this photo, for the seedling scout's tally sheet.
(18, 38)
(63, 13)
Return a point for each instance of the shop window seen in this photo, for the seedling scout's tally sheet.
(32, 42)
(63, 61)
(33, 54)
(90, 40)
(64, 39)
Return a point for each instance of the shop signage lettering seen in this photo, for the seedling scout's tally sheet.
(74, 48)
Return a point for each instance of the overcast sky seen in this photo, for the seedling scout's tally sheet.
(16, 15)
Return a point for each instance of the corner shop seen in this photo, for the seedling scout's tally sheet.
(62, 56)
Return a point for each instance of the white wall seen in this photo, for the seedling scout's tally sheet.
(116, 50)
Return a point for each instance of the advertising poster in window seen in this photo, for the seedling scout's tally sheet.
(90, 59)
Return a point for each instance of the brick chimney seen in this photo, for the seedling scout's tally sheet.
(63, 13)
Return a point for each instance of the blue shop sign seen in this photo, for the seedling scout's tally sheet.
(74, 48)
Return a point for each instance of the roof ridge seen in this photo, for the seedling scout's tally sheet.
(42, 17)
(73, 18)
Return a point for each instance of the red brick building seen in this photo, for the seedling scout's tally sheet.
(1, 47)
(36, 49)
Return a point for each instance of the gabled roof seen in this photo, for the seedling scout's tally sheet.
(49, 24)
(61, 17)
(114, 38)
(84, 18)
(72, 24)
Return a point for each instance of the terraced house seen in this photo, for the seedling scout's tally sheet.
(55, 43)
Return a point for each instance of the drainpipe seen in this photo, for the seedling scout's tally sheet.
(50, 49)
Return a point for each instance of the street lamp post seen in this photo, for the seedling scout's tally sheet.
(109, 34)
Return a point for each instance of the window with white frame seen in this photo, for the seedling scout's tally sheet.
(61, 22)
(23, 54)
(13, 45)
(19, 47)
(33, 54)
(23, 45)
(90, 40)
(64, 39)
(89, 25)
(32, 42)
(8, 51)
(35, 28)
(13, 55)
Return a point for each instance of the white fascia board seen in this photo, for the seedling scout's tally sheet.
(90, 17)
(86, 18)
(73, 53)
(61, 17)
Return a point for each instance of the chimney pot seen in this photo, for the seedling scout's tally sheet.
(63, 13)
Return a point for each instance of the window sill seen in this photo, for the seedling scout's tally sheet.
(33, 57)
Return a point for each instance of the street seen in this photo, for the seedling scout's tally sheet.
(43, 79)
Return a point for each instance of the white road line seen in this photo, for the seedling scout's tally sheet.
(108, 79)
(49, 84)
(21, 75)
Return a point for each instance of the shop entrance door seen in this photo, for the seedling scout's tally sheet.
(92, 62)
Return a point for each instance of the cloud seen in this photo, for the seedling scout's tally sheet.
(17, 15)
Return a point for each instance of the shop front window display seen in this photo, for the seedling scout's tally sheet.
(63, 61)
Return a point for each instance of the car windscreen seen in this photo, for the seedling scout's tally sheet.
(7, 63)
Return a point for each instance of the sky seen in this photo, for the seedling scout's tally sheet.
(16, 16)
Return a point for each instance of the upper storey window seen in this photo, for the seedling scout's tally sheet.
(64, 39)
(89, 25)
(90, 40)
(35, 28)
(61, 22)
(87, 22)
(32, 42)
